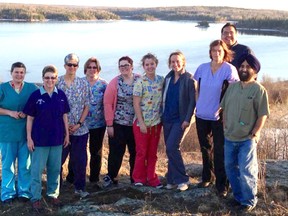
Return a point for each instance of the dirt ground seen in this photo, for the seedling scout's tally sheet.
(126, 199)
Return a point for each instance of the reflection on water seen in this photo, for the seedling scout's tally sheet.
(267, 32)
(39, 44)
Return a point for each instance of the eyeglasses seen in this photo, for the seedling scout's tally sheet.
(94, 67)
(48, 78)
(124, 66)
(70, 65)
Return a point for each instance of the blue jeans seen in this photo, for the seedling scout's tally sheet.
(242, 170)
(49, 157)
(173, 135)
(10, 152)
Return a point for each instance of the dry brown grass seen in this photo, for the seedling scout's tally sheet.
(277, 91)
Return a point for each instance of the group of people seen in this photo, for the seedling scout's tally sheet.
(42, 126)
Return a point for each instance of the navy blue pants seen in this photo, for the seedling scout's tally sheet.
(78, 159)
(173, 135)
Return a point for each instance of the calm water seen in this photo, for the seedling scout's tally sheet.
(39, 44)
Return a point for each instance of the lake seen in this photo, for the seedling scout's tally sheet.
(39, 44)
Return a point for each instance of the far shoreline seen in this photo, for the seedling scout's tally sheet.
(251, 31)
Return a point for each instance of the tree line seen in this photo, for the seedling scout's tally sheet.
(245, 18)
(29, 13)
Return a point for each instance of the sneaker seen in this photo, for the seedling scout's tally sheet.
(204, 184)
(246, 208)
(182, 187)
(138, 184)
(107, 181)
(81, 193)
(170, 186)
(159, 186)
(55, 202)
(37, 206)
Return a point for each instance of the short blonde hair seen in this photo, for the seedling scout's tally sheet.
(177, 53)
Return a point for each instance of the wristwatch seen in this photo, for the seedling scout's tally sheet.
(80, 123)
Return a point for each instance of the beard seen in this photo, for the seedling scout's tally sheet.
(245, 75)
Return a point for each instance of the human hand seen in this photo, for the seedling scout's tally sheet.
(66, 141)
(110, 131)
(184, 125)
(73, 128)
(255, 137)
(21, 115)
(143, 128)
(14, 114)
(30, 144)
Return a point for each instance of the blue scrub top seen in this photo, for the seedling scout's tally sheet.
(171, 111)
(48, 125)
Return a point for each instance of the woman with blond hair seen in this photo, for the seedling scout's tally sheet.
(147, 98)
(178, 109)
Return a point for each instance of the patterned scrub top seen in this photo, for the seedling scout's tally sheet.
(124, 113)
(150, 92)
(78, 95)
(95, 118)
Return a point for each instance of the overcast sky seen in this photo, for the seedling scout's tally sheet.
(253, 4)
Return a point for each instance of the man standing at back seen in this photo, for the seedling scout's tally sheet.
(229, 35)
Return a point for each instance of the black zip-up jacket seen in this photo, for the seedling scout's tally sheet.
(187, 95)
